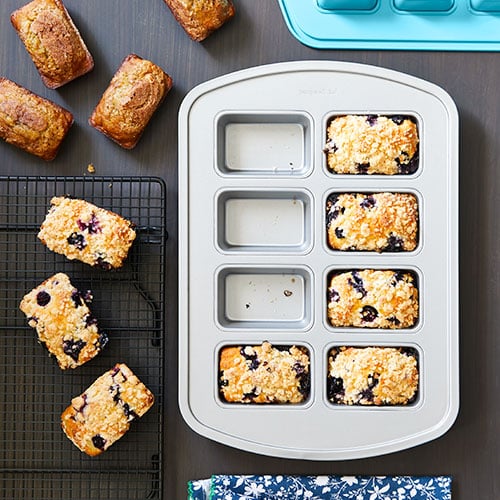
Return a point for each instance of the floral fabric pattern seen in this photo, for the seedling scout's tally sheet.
(226, 487)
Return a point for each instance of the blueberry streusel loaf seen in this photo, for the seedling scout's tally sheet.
(53, 41)
(200, 18)
(30, 122)
(372, 375)
(80, 230)
(373, 298)
(102, 414)
(264, 374)
(371, 144)
(381, 222)
(128, 104)
(60, 314)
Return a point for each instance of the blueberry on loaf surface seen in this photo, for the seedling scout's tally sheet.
(380, 222)
(103, 413)
(80, 230)
(373, 298)
(52, 41)
(264, 374)
(372, 144)
(30, 122)
(372, 376)
(60, 314)
(136, 90)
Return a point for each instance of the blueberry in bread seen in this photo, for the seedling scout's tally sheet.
(372, 144)
(53, 41)
(102, 414)
(60, 314)
(80, 230)
(264, 374)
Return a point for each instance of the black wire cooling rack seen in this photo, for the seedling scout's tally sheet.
(37, 461)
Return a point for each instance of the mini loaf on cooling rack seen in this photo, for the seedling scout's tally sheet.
(371, 144)
(373, 298)
(53, 41)
(264, 374)
(200, 18)
(80, 230)
(60, 314)
(380, 222)
(372, 375)
(127, 105)
(102, 414)
(30, 122)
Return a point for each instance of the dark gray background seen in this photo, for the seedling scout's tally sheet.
(258, 35)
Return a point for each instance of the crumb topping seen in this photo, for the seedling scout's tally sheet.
(264, 374)
(373, 299)
(372, 375)
(370, 144)
(381, 222)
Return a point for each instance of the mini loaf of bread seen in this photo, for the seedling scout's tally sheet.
(53, 41)
(264, 374)
(380, 222)
(133, 95)
(30, 122)
(80, 230)
(371, 144)
(373, 298)
(102, 414)
(60, 314)
(372, 375)
(200, 18)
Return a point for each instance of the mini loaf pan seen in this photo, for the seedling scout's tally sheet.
(256, 264)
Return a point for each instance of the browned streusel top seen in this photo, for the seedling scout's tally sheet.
(53, 41)
(80, 230)
(264, 374)
(373, 298)
(31, 122)
(372, 376)
(102, 414)
(369, 144)
(127, 105)
(381, 222)
(63, 321)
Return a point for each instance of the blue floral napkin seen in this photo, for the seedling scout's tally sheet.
(222, 487)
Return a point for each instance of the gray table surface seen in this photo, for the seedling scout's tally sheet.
(258, 35)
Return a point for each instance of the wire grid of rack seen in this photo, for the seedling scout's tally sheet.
(36, 458)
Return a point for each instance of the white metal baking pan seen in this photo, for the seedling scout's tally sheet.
(253, 183)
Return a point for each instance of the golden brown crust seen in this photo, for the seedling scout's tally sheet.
(102, 414)
(81, 230)
(63, 321)
(200, 18)
(380, 222)
(53, 41)
(133, 95)
(264, 374)
(373, 298)
(31, 122)
(372, 375)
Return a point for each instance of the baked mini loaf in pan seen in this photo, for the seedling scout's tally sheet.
(53, 41)
(373, 298)
(127, 105)
(30, 122)
(372, 375)
(80, 230)
(380, 222)
(264, 374)
(200, 18)
(103, 413)
(372, 144)
(60, 314)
